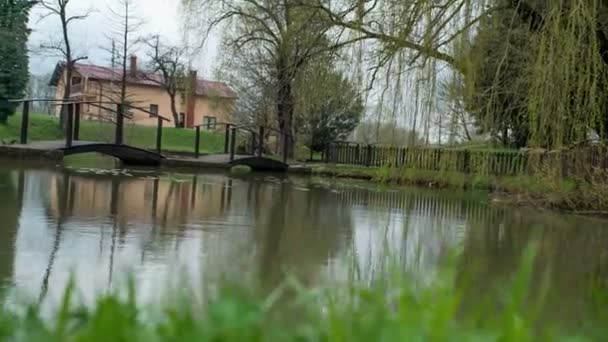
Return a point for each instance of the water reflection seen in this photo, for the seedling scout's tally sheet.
(102, 225)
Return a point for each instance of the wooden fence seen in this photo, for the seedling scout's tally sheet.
(565, 162)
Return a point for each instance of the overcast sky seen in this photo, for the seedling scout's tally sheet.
(89, 36)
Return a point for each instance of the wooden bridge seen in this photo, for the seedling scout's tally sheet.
(131, 155)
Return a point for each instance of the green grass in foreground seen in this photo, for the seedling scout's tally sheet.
(44, 127)
(393, 309)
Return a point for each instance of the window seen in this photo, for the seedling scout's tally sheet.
(182, 120)
(209, 122)
(153, 110)
(76, 80)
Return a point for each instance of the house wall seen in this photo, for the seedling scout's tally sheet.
(144, 96)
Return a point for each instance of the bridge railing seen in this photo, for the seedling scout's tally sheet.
(231, 131)
(73, 118)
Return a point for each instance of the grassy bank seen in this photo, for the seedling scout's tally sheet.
(393, 309)
(44, 127)
(578, 196)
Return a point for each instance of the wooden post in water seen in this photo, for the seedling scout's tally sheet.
(69, 126)
(227, 139)
(159, 134)
(261, 142)
(120, 121)
(77, 121)
(25, 121)
(197, 142)
(232, 143)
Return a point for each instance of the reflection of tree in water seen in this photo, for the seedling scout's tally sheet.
(572, 249)
(65, 203)
(297, 231)
(11, 196)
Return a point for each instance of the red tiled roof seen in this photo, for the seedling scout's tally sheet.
(203, 87)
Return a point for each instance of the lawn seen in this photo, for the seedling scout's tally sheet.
(44, 127)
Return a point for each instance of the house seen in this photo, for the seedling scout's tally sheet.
(205, 102)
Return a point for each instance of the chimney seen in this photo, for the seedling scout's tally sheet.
(191, 107)
(133, 69)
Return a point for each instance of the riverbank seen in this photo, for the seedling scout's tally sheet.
(545, 191)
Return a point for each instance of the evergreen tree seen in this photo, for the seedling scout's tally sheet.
(14, 71)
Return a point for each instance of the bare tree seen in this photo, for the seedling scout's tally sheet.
(63, 47)
(125, 25)
(288, 34)
(167, 62)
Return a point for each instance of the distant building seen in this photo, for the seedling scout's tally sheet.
(205, 102)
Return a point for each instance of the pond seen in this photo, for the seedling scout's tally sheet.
(103, 225)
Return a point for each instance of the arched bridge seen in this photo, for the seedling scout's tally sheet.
(127, 154)
(139, 157)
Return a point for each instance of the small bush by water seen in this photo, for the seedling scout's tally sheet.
(240, 170)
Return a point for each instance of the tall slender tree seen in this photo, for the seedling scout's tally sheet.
(14, 69)
(167, 62)
(63, 46)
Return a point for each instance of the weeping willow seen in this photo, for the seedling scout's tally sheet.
(567, 96)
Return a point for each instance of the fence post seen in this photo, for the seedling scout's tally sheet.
(368, 157)
(77, 121)
(159, 134)
(227, 139)
(232, 143)
(261, 142)
(467, 161)
(25, 121)
(69, 126)
(358, 154)
(120, 120)
(197, 142)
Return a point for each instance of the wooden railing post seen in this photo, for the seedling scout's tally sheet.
(197, 142)
(368, 156)
(232, 143)
(261, 142)
(77, 121)
(285, 147)
(227, 139)
(120, 121)
(69, 126)
(254, 143)
(25, 121)
(159, 135)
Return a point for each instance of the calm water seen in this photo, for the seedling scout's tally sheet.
(101, 225)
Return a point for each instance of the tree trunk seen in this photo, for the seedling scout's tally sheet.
(174, 110)
(285, 109)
